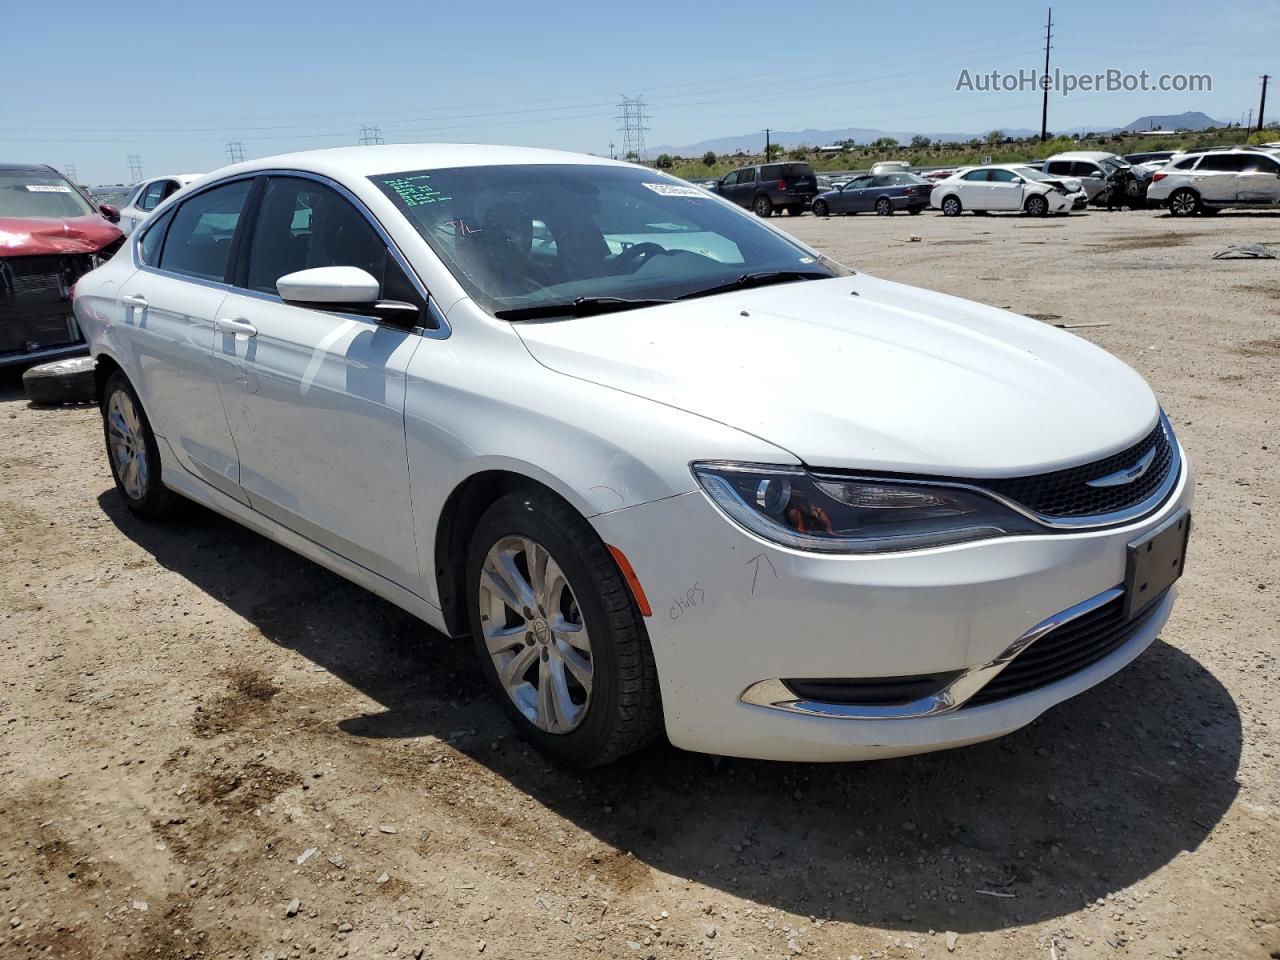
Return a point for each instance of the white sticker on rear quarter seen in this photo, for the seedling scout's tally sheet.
(675, 190)
(48, 188)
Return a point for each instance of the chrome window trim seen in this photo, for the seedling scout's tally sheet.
(442, 330)
(775, 695)
(1115, 518)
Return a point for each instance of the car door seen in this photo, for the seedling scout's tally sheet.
(1259, 180)
(973, 190)
(315, 397)
(170, 304)
(1218, 176)
(148, 198)
(1091, 176)
(726, 185)
(1004, 189)
(745, 189)
(853, 196)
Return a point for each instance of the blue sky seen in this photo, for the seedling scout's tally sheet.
(90, 83)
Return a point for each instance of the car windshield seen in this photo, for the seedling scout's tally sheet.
(523, 237)
(41, 195)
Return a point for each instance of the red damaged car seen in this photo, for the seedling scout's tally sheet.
(51, 234)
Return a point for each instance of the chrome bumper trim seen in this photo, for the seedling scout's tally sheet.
(775, 694)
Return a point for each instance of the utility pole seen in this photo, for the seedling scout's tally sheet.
(135, 167)
(235, 151)
(1262, 104)
(767, 131)
(633, 127)
(1044, 80)
(611, 150)
(1248, 127)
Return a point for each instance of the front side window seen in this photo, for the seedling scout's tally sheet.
(40, 194)
(859, 183)
(730, 179)
(525, 236)
(200, 234)
(1061, 168)
(304, 224)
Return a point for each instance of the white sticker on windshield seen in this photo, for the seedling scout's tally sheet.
(48, 187)
(675, 190)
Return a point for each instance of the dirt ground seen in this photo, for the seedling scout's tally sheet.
(212, 748)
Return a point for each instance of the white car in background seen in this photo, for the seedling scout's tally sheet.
(1006, 187)
(670, 469)
(1211, 180)
(149, 194)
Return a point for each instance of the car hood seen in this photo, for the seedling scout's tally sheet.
(861, 373)
(34, 236)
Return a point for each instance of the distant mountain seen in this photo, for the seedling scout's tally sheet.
(1191, 120)
(754, 142)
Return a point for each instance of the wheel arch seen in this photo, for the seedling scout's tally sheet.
(105, 365)
(457, 521)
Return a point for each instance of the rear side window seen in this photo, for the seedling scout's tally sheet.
(772, 171)
(1223, 162)
(747, 176)
(796, 170)
(975, 175)
(198, 243)
(153, 239)
(1186, 163)
(1061, 168)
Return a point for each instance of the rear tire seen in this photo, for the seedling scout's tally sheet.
(951, 207)
(132, 451)
(914, 210)
(796, 209)
(1184, 203)
(820, 209)
(762, 206)
(577, 622)
(884, 207)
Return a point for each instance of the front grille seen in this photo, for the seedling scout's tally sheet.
(1066, 493)
(1070, 648)
(35, 301)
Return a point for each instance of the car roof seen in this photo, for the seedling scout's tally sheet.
(1083, 155)
(367, 161)
(26, 168)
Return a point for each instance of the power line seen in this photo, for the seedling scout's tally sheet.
(135, 167)
(235, 151)
(633, 127)
(370, 136)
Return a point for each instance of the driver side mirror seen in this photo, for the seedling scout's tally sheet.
(345, 289)
(110, 212)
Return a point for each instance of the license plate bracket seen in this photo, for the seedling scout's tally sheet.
(1154, 561)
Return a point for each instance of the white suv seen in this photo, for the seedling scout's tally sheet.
(1216, 179)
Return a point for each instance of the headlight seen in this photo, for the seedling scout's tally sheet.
(792, 508)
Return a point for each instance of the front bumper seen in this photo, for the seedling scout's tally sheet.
(731, 611)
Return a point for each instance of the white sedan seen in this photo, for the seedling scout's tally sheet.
(1007, 187)
(672, 470)
(148, 195)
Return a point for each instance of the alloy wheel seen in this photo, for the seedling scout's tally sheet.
(534, 632)
(1183, 203)
(884, 207)
(128, 448)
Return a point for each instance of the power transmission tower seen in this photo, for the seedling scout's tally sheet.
(370, 136)
(235, 151)
(1044, 81)
(633, 127)
(135, 167)
(70, 171)
(1262, 104)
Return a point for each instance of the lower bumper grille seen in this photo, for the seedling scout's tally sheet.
(35, 302)
(1069, 649)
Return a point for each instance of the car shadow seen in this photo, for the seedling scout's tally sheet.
(1095, 796)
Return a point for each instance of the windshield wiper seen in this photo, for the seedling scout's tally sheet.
(582, 307)
(761, 279)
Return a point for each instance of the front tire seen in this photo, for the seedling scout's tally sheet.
(884, 207)
(1184, 203)
(820, 208)
(1036, 206)
(132, 451)
(951, 207)
(762, 206)
(559, 637)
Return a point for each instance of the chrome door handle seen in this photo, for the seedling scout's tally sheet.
(242, 327)
(135, 301)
